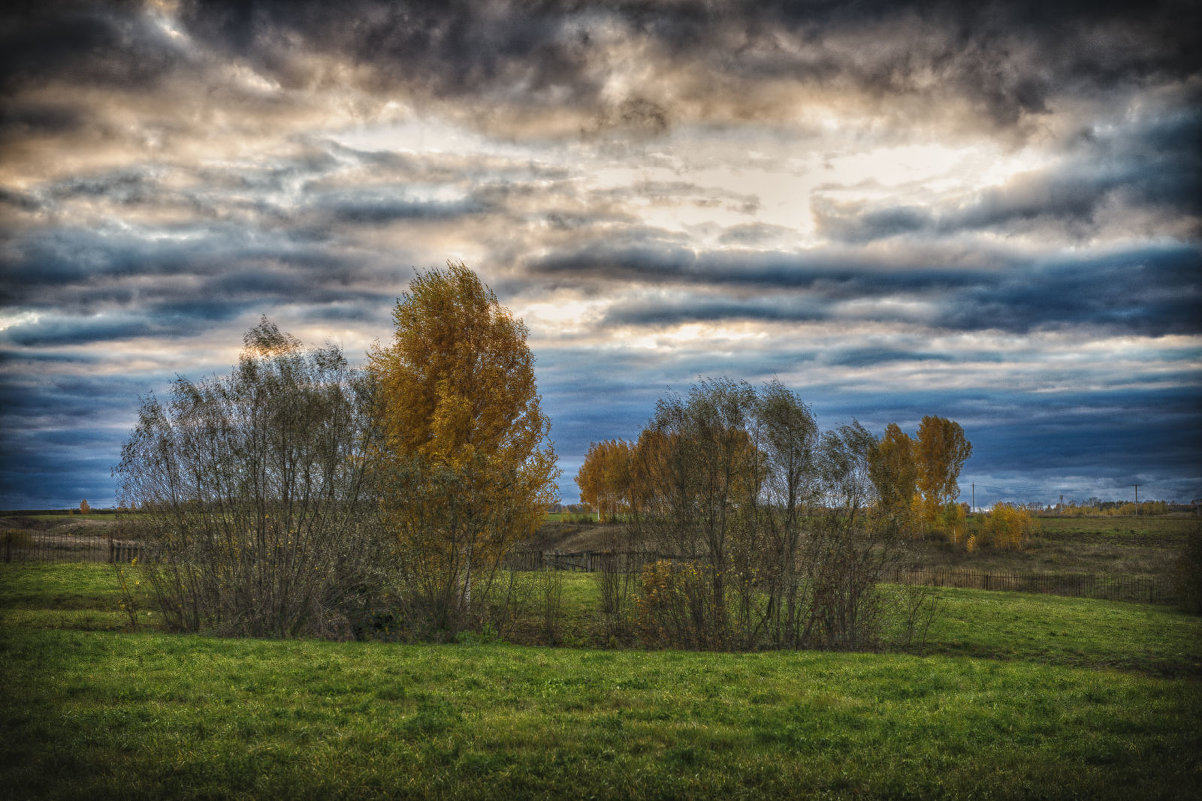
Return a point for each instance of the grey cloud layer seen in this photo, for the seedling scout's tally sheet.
(1149, 290)
(1157, 166)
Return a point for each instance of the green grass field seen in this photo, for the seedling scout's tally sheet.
(1021, 697)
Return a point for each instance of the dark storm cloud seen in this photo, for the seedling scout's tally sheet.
(1006, 58)
(33, 358)
(62, 436)
(708, 311)
(56, 331)
(1152, 291)
(87, 286)
(114, 44)
(20, 120)
(836, 272)
(868, 357)
(18, 200)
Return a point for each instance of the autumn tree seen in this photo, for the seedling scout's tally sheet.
(470, 469)
(788, 438)
(1006, 526)
(940, 452)
(894, 472)
(84, 507)
(604, 478)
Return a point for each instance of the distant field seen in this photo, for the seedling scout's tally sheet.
(1172, 525)
(1025, 696)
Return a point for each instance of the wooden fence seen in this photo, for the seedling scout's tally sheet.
(585, 561)
(35, 546)
(1140, 589)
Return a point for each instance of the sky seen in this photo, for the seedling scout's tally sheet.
(984, 211)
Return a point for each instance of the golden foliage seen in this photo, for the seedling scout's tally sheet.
(1006, 526)
(940, 453)
(605, 478)
(463, 434)
(894, 473)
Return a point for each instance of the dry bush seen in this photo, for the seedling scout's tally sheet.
(676, 607)
(781, 536)
(253, 493)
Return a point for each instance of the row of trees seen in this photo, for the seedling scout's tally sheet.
(914, 478)
(299, 495)
(1097, 508)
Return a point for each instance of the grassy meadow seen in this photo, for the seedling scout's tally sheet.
(1016, 696)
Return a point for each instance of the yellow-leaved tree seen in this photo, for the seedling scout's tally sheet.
(940, 450)
(468, 469)
(604, 478)
(894, 472)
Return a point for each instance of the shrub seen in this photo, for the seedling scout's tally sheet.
(253, 493)
(1006, 526)
(675, 607)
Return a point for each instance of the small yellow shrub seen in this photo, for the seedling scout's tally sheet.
(1007, 526)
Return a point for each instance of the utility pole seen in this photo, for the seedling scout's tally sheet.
(974, 496)
(1137, 500)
